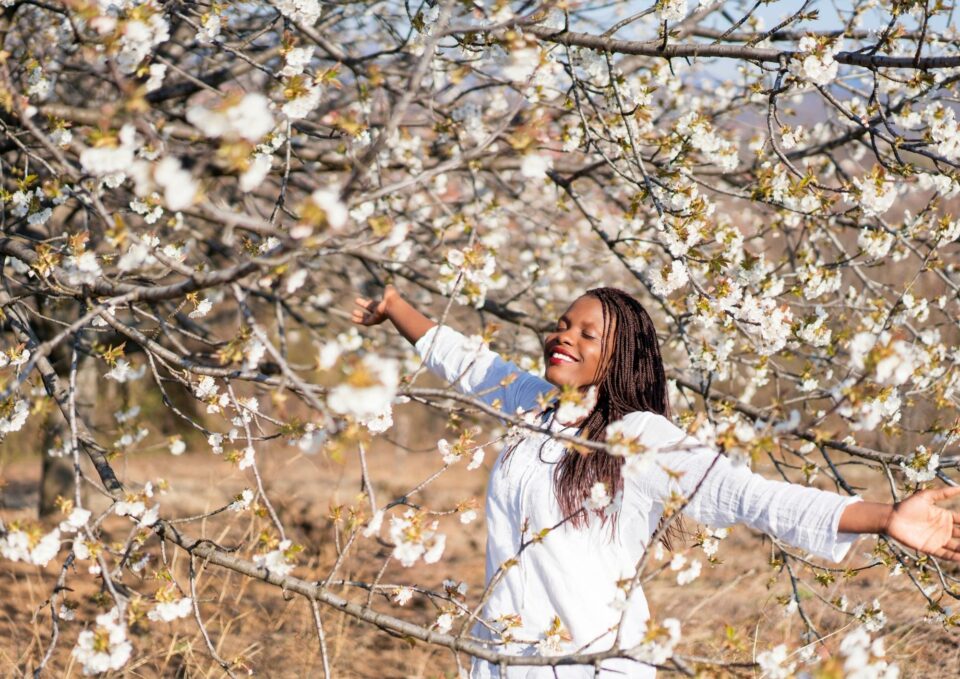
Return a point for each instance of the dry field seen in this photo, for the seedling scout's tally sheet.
(728, 612)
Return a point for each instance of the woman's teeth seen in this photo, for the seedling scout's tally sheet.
(561, 357)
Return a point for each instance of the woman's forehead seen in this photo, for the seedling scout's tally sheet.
(585, 309)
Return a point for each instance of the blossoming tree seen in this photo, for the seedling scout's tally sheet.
(192, 193)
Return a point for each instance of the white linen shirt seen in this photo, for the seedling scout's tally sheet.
(573, 572)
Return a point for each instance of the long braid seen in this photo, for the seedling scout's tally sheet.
(634, 380)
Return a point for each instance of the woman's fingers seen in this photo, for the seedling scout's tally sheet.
(940, 494)
(366, 311)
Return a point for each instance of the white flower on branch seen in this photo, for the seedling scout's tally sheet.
(323, 209)
(691, 573)
(774, 664)
(413, 538)
(598, 498)
(139, 37)
(242, 501)
(535, 166)
(295, 60)
(444, 623)
(248, 118)
(672, 10)
(555, 639)
(29, 544)
(875, 243)
(279, 561)
(863, 659)
(156, 73)
(922, 466)
(368, 389)
(814, 331)
(130, 506)
(574, 405)
(138, 255)
(110, 155)
(815, 61)
(105, 647)
(248, 458)
(13, 418)
(210, 25)
(215, 441)
(149, 209)
(373, 526)
(669, 278)
(471, 272)
(123, 371)
(401, 596)
(202, 309)
(301, 11)
(658, 642)
(168, 611)
(78, 519)
(944, 129)
(178, 185)
(81, 269)
(872, 616)
(892, 361)
(302, 97)
(876, 194)
(257, 170)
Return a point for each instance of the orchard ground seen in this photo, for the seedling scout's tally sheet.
(729, 612)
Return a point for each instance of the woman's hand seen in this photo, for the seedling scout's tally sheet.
(920, 524)
(392, 307)
(373, 311)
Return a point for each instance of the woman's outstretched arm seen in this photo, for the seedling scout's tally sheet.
(467, 364)
(917, 522)
(408, 321)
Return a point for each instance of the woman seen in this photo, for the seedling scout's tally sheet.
(568, 591)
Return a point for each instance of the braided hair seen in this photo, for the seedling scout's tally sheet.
(633, 379)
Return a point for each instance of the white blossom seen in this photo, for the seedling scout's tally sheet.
(30, 546)
(368, 390)
(122, 371)
(672, 10)
(598, 498)
(278, 561)
(105, 647)
(302, 11)
(167, 611)
(78, 519)
(774, 664)
(15, 420)
(815, 61)
(249, 118)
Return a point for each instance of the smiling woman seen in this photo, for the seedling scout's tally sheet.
(576, 349)
(590, 518)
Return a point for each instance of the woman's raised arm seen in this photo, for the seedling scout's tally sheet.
(408, 321)
(467, 364)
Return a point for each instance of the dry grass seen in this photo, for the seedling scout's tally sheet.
(275, 637)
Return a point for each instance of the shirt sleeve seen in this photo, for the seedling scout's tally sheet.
(473, 368)
(722, 494)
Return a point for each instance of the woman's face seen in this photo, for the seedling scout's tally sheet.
(573, 351)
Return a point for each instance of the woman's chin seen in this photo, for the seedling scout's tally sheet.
(554, 374)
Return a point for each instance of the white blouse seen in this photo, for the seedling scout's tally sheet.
(572, 574)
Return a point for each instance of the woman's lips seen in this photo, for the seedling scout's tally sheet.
(560, 358)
